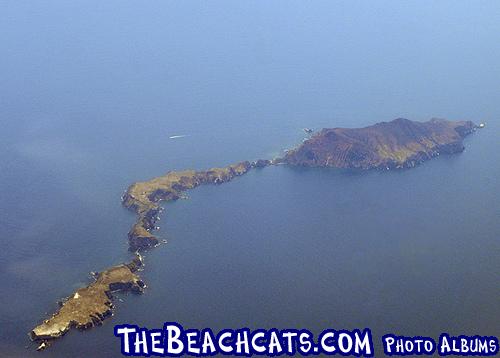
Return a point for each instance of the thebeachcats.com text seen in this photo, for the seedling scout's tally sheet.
(174, 341)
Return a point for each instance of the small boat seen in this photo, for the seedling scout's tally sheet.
(482, 125)
(308, 130)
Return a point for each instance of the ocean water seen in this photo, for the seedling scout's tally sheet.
(92, 91)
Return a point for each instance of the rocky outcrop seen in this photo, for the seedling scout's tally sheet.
(90, 305)
(400, 143)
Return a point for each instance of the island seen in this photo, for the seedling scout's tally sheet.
(143, 197)
(398, 144)
(90, 305)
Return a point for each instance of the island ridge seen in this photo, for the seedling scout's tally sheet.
(398, 144)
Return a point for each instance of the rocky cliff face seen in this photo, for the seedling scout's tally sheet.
(400, 143)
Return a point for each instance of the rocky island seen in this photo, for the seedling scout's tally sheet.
(143, 197)
(90, 305)
(398, 144)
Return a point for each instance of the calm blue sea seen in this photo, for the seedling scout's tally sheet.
(91, 91)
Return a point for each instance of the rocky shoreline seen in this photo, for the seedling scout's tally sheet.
(398, 144)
